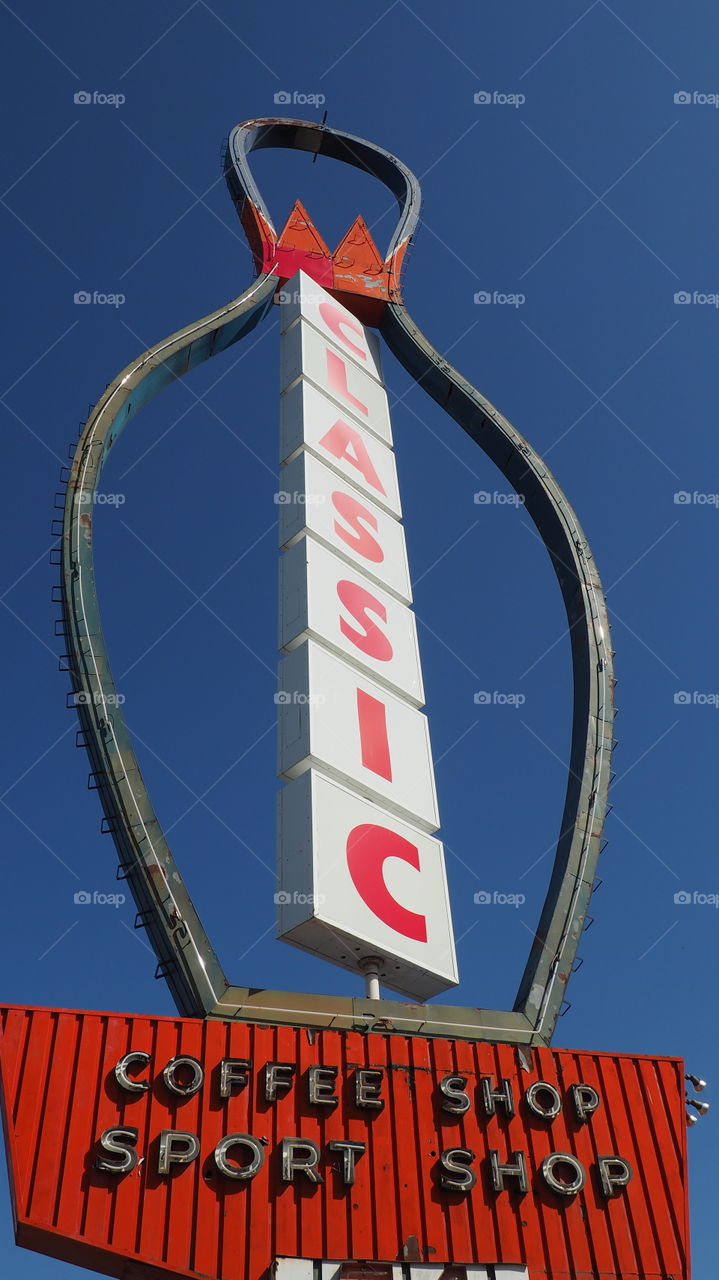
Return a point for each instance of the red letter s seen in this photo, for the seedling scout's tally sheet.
(360, 602)
(357, 516)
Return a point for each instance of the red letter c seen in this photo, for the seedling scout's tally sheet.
(368, 848)
(337, 322)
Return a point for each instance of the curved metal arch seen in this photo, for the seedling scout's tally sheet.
(183, 949)
(255, 135)
(541, 991)
(185, 956)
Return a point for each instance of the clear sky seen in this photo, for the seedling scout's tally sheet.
(595, 200)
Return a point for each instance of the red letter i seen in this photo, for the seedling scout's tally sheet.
(374, 742)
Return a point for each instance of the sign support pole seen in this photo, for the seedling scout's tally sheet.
(371, 968)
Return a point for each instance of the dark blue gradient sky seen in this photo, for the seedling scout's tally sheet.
(595, 200)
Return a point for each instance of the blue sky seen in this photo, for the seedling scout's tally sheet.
(594, 199)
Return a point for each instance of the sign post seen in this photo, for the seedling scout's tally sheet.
(361, 880)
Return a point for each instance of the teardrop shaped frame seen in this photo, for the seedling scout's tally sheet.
(185, 955)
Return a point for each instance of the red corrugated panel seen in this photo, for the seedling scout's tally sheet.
(60, 1093)
(378, 1174)
(338, 1211)
(588, 1142)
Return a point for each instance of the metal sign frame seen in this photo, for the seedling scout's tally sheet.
(185, 955)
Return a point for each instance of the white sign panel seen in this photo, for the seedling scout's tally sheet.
(311, 421)
(357, 881)
(323, 598)
(314, 500)
(305, 353)
(333, 718)
(308, 301)
(361, 876)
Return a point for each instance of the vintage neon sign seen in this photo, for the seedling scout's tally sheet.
(360, 878)
(379, 809)
(203, 1148)
(334, 414)
(240, 1156)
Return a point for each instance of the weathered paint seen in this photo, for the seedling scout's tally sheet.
(355, 273)
(60, 1093)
